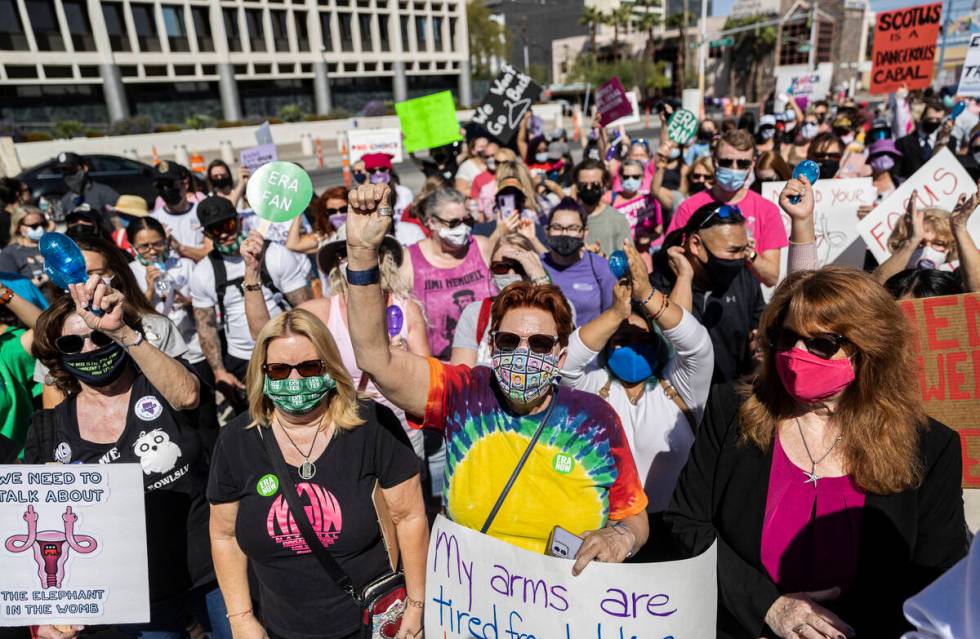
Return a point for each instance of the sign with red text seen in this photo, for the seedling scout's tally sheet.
(905, 48)
(478, 586)
(970, 77)
(363, 141)
(948, 343)
(939, 182)
(72, 544)
(612, 102)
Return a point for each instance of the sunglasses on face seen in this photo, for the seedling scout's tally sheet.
(339, 211)
(468, 221)
(627, 176)
(824, 345)
(147, 246)
(731, 163)
(821, 157)
(506, 342)
(376, 170)
(700, 178)
(309, 368)
(36, 225)
(503, 267)
(72, 344)
(222, 228)
(724, 212)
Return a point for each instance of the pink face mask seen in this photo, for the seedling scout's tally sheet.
(808, 378)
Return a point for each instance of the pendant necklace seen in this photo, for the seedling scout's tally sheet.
(812, 477)
(307, 469)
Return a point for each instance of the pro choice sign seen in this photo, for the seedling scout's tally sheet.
(279, 191)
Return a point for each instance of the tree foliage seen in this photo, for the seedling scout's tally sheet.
(750, 49)
(642, 73)
(488, 39)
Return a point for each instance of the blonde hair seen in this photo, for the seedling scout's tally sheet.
(19, 213)
(393, 279)
(706, 162)
(935, 220)
(343, 410)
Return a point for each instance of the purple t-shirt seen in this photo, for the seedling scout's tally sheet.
(588, 284)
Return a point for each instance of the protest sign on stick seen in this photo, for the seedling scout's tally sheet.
(478, 586)
(948, 347)
(905, 48)
(428, 122)
(612, 102)
(634, 114)
(970, 77)
(256, 156)
(510, 96)
(363, 141)
(73, 540)
(682, 126)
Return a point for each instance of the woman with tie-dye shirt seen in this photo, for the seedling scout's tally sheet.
(579, 474)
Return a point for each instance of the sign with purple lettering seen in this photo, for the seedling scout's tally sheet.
(256, 156)
(73, 545)
(478, 586)
(510, 97)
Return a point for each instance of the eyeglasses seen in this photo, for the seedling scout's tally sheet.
(823, 346)
(503, 267)
(506, 342)
(558, 228)
(146, 246)
(723, 212)
(700, 178)
(309, 368)
(377, 170)
(468, 221)
(731, 163)
(340, 211)
(71, 344)
(222, 228)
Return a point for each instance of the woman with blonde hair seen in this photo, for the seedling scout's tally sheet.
(305, 417)
(23, 255)
(832, 496)
(921, 239)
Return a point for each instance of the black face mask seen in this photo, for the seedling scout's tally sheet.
(828, 169)
(672, 179)
(82, 231)
(695, 187)
(589, 195)
(76, 181)
(722, 272)
(565, 245)
(97, 368)
(705, 136)
(222, 182)
(928, 126)
(171, 195)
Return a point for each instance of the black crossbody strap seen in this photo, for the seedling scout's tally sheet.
(299, 515)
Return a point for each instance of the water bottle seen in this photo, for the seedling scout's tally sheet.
(807, 168)
(162, 285)
(63, 260)
(619, 265)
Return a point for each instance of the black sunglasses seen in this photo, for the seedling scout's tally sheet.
(72, 344)
(505, 266)
(309, 368)
(506, 342)
(468, 221)
(222, 228)
(730, 163)
(377, 170)
(824, 346)
(341, 211)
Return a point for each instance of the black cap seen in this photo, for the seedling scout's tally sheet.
(68, 160)
(83, 212)
(330, 254)
(167, 171)
(214, 210)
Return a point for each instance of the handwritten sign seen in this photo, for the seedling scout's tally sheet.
(73, 545)
(510, 96)
(428, 122)
(612, 102)
(940, 181)
(279, 191)
(480, 587)
(905, 47)
(682, 126)
(256, 156)
(796, 82)
(970, 77)
(948, 343)
(363, 141)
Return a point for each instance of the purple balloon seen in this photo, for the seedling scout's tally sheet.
(395, 319)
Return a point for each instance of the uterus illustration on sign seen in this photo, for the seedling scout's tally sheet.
(51, 547)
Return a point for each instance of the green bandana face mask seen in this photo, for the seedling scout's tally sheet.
(232, 248)
(298, 396)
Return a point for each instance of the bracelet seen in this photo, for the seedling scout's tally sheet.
(364, 278)
(544, 279)
(252, 287)
(653, 292)
(238, 614)
(414, 603)
(137, 342)
(6, 294)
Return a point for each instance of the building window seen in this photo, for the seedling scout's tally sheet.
(44, 22)
(76, 13)
(173, 22)
(208, 69)
(302, 34)
(185, 69)
(115, 26)
(346, 32)
(403, 26)
(154, 70)
(232, 30)
(58, 72)
(383, 21)
(452, 34)
(21, 71)
(146, 31)
(253, 23)
(264, 69)
(364, 19)
(325, 32)
(280, 34)
(420, 33)
(12, 36)
(89, 71)
(202, 26)
(129, 70)
(437, 32)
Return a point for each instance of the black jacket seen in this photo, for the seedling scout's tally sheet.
(907, 539)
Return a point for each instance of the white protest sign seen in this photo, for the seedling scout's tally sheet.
(940, 181)
(363, 141)
(479, 587)
(73, 541)
(633, 118)
(256, 156)
(800, 81)
(970, 78)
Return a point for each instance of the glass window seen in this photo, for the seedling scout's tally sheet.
(364, 20)
(403, 25)
(173, 22)
(420, 32)
(452, 34)
(302, 34)
(202, 26)
(280, 34)
(325, 32)
(12, 37)
(146, 30)
(383, 21)
(44, 22)
(115, 26)
(346, 32)
(76, 13)
(437, 32)
(256, 34)
(231, 29)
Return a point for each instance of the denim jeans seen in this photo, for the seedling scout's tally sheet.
(168, 619)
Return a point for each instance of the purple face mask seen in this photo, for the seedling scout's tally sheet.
(337, 220)
(380, 177)
(882, 163)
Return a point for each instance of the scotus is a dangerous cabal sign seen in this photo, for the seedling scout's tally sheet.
(479, 587)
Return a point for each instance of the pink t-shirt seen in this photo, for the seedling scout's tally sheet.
(763, 221)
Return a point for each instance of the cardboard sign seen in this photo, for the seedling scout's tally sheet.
(429, 121)
(835, 206)
(363, 141)
(940, 182)
(478, 586)
(803, 82)
(511, 94)
(634, 115)
(970, 78)
(256, 156)
(682, 126)
(905, 47)
(612, 102)
(279, 191)
(73, 545)
(948, 342)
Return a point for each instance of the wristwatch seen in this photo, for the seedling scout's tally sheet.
(753, 257)
(6, 295)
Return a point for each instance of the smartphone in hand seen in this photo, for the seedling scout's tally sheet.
(563, 544)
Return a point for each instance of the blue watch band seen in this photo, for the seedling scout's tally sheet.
(364, 278)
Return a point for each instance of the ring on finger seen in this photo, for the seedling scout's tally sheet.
(798, 627)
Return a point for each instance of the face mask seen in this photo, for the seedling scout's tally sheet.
(767, 134)
(705, 136)
(35, 234)
(360, 178)
(675, 153)
(163, 259)
(380, 177)
(590, 195)
(808, 378)
(491, 164)
(976, 157)
(230, 249)
(882, 163)
(696, 187)
(809, 130)
(457, 237)
(847, 138)
(722, 272)
(541, 158)
(631, 185)
(222, 182)
(503, 281)
(926, 257)
(633, 363)
(928, 126)
(828, 169)
(171, 195)
(76, 181)
(298, 396)
(97, 368)
(730, 180)
(524, 376)
(565, 245)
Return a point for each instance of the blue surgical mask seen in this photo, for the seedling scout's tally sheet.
(631, 184)
(633, 363)
(541, 158)
(730, 180)
(35, 234)
(676, 152)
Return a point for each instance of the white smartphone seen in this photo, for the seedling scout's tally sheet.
(563, 544)
(506, 203)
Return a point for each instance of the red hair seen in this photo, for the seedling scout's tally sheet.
(545, 297)
(321, 222)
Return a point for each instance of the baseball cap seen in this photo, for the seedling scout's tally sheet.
(67, 160)
(557, 150)
(214, 210)
(767, 120)
(167, 172)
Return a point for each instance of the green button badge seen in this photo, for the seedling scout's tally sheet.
(563, 463)
(279, 191)
(268, 485)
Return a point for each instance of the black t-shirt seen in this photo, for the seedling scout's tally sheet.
(297, 598)
(175, 470)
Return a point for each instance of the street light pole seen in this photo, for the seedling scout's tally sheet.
(702, 53)
(813, 36)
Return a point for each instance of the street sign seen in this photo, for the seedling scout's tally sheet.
(682, 126)
(804, 48)
(722, 42)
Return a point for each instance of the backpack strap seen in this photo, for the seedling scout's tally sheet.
(483, 321)
(266, 279)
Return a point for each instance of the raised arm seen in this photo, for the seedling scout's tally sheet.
(657, 305)
(401, 376)
(299, 242)
(256, 311)
(682, 294)
(900, 258)
(965, 246)
(802, 235)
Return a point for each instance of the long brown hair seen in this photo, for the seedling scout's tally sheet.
(880, 414)
(935, 220)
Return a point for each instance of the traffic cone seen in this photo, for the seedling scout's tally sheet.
(197, 163)
(153, 154)
(319, 153)
(345, 164)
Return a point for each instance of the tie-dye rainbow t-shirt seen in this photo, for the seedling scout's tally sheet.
(579, 475)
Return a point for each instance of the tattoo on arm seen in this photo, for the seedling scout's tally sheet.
(297, 297)
(207, 331)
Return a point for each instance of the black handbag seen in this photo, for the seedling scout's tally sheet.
(383, 600)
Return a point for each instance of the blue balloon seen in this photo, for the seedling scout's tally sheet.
(958, 109)
(619, 265)
(63, 260)
(395, 320)
(808, 169)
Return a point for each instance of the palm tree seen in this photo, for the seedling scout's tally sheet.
(680, 21)
(621, 18)
(591, 17)
(648, 22)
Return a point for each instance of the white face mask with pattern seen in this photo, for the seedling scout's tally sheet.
(456, 237)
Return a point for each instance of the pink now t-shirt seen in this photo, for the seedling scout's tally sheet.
(763, 221)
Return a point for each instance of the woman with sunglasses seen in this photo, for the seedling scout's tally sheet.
(23, 256)
(340, 453)
(632, 200)
(125, 403)
(694, 179)
(580, 476)
(327, 213)
(832, 496)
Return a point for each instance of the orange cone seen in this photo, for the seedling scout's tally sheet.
(153, 153)
(197, 163)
